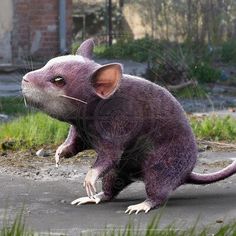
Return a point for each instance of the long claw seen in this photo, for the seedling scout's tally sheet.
(83, 200)
(147, 211)
(90, 181)
(94, 189)
(57, 161)
(74, 202)
(87, 190)
(80, 203)
(136, 213)
(144, 206)
(91, 191)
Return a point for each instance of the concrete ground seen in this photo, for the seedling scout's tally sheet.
(45, 193)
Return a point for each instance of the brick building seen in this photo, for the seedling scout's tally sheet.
(32, 29)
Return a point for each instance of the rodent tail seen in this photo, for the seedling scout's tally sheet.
(195, 178)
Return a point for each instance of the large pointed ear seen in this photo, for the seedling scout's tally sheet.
(86, 49)
(106, 79)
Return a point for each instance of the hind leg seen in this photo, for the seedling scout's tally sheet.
(157, 194)
(159, 183)
(163, 171)
(112, 183)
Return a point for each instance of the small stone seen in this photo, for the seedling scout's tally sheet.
(63, 201)
(219, 221)
(4, 117)
(201, 149)
(41, 153)
(37, 173)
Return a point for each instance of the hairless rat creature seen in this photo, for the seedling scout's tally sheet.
(138, 129)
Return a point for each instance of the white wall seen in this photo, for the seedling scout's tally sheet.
(6, 25)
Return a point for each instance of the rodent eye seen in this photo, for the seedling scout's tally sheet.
(58, 81)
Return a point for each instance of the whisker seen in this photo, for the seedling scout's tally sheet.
(72, 98)
(25, 102)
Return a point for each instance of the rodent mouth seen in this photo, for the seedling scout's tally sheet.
(31, 102)
(30, 96)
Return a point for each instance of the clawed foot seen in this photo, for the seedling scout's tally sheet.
(84, 200)
(144, 206)
(89, 182)
(64, 151)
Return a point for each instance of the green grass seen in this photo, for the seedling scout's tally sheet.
(35, 130)
(32, 130)
(228, 51)
(191, 92)
(18, 228)
(12, 106)
(153, 229)
(126, 48)
(147, 48)
(205, 73)
(214, 128)
(167, 59)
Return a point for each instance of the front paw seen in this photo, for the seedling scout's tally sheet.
(85, 200)
(65, 150)
(89, 182)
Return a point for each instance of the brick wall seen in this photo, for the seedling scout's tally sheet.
(36, 29)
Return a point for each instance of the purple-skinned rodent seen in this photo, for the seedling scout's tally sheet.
(137, 128)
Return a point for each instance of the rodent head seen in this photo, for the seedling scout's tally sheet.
(65, 84)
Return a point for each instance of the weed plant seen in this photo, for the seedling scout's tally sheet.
(18, 228)
(32, 130)
(214, 128)
(35, 130)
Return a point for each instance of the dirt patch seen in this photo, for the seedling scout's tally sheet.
(27, 164)
(204, 145)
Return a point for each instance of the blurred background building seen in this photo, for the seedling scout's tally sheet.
(38, 30)
(171, 20)
(34, 30)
